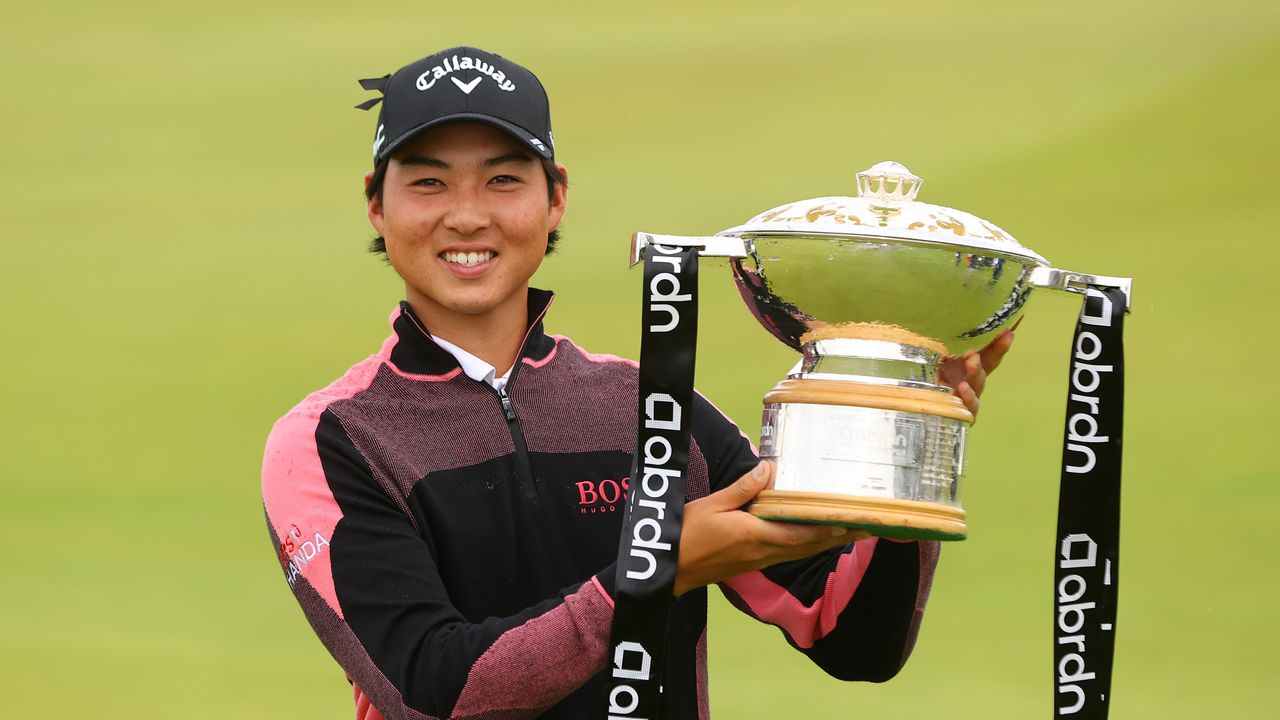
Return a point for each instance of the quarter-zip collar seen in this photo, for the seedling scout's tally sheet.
(415, 352)
(475, 367)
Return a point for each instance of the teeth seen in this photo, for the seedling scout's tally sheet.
(468, 259)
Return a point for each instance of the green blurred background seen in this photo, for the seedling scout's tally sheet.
(183, 259)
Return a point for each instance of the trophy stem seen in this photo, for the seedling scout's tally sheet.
(871, 360)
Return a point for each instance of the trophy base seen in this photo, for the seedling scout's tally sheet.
(883, 517)
(883, 459)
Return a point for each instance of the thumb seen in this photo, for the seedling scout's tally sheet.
(744, 489)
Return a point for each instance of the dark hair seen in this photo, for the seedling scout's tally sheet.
(555, 177)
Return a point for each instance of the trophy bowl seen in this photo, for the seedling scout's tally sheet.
(875, 292)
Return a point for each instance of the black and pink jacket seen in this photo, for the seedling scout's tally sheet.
(453, 546)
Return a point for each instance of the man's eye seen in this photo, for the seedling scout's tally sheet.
(429, 182)
(505, 179)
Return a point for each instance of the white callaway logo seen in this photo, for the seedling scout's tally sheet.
(466, 87)
(454, 64)
(380, 138)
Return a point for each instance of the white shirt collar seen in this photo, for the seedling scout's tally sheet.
(474, 367)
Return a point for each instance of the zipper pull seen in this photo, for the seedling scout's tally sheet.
(506, 405)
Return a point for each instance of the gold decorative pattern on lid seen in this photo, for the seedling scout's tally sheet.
(885, 208)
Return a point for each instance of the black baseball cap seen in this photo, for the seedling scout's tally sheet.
(461, 83)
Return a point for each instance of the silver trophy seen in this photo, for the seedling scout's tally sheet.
(875, 292)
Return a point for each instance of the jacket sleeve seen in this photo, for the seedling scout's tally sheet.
(367, 580)
(855, 611)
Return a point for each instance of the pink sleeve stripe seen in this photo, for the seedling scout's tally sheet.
(552, 655)
(806, 625)
(295, 492)
(596, 581)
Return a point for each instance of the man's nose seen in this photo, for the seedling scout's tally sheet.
(467, 214)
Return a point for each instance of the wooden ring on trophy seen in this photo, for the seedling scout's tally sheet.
(884, 517)
(884, 397)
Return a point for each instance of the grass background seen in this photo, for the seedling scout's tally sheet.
(182, 260)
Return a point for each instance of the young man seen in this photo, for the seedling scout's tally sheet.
(447, 512)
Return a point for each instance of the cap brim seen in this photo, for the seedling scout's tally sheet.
(524, 136)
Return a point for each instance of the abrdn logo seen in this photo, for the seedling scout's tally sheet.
(601, 496)
(454, 64)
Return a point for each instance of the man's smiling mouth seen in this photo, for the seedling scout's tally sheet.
(468, 259)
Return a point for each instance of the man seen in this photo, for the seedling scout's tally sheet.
(447, 512)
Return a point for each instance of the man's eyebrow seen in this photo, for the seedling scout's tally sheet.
(513, 156)
(426, 160)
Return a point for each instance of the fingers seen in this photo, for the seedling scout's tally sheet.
(975, 373)
(793, 541)
(743, 490)
(970, 398)
(797, 535)
(977, 366)
(993, 354)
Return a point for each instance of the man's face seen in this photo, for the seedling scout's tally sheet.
(465, 214)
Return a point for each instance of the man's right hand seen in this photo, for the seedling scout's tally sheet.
(719, 540)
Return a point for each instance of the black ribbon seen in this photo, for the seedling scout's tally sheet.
(649, 547)
(1087, 556)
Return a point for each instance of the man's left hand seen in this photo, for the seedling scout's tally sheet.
(967, 373)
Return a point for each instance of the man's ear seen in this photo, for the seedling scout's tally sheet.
(559, 199)
(374, 205)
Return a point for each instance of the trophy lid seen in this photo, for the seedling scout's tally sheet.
(886, 208)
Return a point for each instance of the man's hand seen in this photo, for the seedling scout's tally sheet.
(967, 374)
(718, 540)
